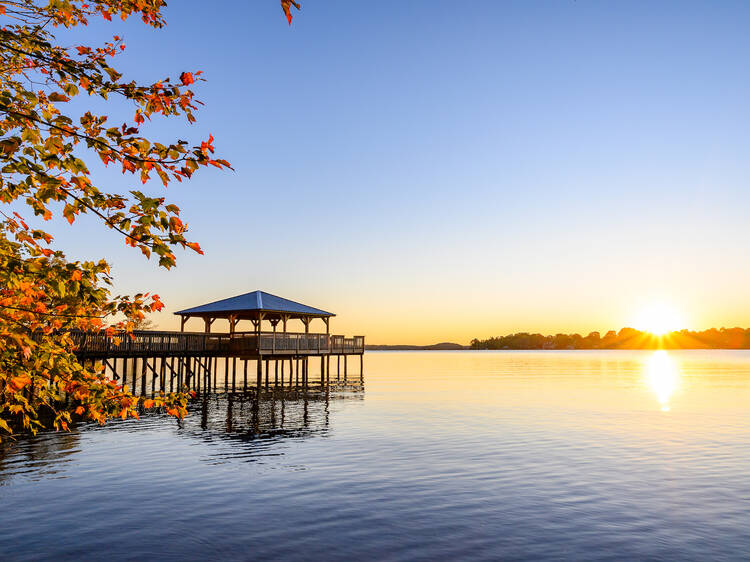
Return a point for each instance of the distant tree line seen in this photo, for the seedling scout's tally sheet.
(627, 338)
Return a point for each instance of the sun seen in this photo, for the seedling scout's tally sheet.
(659, 319)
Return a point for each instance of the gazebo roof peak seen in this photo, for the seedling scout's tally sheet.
(256, 301)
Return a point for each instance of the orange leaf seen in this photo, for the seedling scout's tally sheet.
(195, 246)
(286, 5)
(124, 413)
(76, 275)
(19, 382)
(187, 78)
(148, 403)
(80, 410)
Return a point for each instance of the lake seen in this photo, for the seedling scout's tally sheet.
(548, 455)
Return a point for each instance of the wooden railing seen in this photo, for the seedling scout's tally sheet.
(141, 343)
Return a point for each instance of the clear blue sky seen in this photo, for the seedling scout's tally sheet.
(435, 170)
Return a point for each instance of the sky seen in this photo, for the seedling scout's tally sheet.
(442, 170)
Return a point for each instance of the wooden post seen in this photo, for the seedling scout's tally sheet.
(275, 371)
(124, 378)
(322, 371)
(234, 372)
(183, 319)
(245, 387)
(226, 373)
(171, 374)
(274, 323)
(267, 373)
(259, 381)
(134, 386)
(200, 381)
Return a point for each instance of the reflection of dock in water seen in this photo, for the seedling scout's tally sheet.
(280, 412)
(235, 426)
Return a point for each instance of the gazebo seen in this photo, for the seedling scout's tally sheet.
(256, 306)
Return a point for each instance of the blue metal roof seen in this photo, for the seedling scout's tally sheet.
(256, 301)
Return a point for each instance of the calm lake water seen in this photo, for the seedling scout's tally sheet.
(466, 455)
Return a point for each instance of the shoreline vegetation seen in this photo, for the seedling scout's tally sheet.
(626, 338)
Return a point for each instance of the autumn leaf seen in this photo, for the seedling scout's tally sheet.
(195, 246)
(80, 410)
(286, 5)
(187, 78)
(148, 403)
(20, 382)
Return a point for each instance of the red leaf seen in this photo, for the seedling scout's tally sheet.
(286, 5)
(195, 246)
(187, 78)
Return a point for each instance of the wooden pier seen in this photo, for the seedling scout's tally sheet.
(152, 361)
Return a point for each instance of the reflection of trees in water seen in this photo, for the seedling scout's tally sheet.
(41, 456)
(280, 413)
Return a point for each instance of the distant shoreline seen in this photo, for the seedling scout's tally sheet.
(626, 338)
(445, 346)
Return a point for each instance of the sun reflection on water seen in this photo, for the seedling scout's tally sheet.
(663, 377)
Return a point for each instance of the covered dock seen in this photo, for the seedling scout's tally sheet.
(195, 357)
